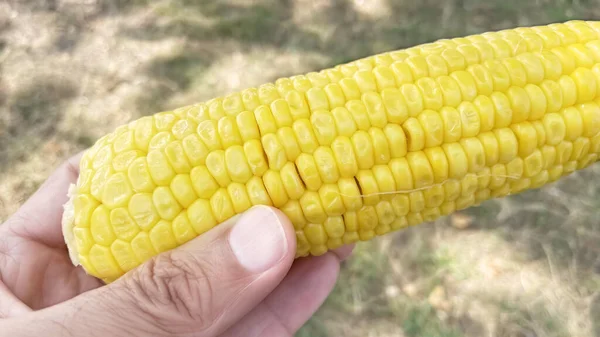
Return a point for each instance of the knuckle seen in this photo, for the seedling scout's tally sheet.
(175, 291)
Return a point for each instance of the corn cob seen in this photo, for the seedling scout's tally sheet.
(347, 153)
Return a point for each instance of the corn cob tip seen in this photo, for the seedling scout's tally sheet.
(68, 223)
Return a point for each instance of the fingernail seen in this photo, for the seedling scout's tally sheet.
(258, 239)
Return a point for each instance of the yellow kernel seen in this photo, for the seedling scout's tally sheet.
(305, 135)
(375, 109)
(344, 157)
(139, 176)
(344, 122)
(232, 104)
(160, 140)
(257, 193)
(324, 127)
(421, 169)
(538, 102)
(413, 98)
(466, 84)
(470, 121)
(583, 57)
(452, 125)
(281, 113)
(504, 113)
(367, 218)
(247, 126)
(415, 135)
(239, 197)
(228, 132)
(195, 150)
(563, 152)
(573, 123)
(265, 120)
(585, 82)
(452, 189)
(533, 163)
(482, 78)
(359, 114)
(318, 80)
(432, 95)
(176, 157)
(350, 194)
(209, 135)
(418, 66)
(363, 149)
(250, 99)
(396, 139)
(402, 174)
(384, 77)
(183, 190)
(215, 109)
(552, 66)
(434, 196)
(308, 171)
(124, 142)
(287, 139)
(454, 59)
(439, 163)
(401, 205)
(514, 168)
(164, 121)
(533, 67)
(490, 146)
(516, 71)
(475, 153)
(203, 182)
(499, 75)
(331, 199)
(350, 88)
(123, 226)
(144, 130)
(317, 99)
(183, 128)
(221, 205)
(365, 81)
(326, 164)
(385, 181)
(275, 152)
(590, 113)
(450, 91)
(368, 187)
(255, 156)
(436, 65)
(509, 146)
(103, 262)
(469, 52)
(103, 157)
(554, 96)
(402, 73)
(380, 146)
(334, 227)
(581, 147)
(569, 90)
(417, 201)
(549, 156)
(433, 126)
(275, 188)
(291, 181)
(312, 208)
(182, 229)
(526, 137)
(498, 176)
(267, 93)
(159, 168)
(293, 211)
(215, 162)
(315, 234)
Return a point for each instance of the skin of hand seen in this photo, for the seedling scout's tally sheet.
(239, 279)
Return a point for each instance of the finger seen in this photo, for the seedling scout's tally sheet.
(200, 288)
(294, 301)
(39, 219)
(10, 305)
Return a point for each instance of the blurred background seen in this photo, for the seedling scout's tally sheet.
(523, 266)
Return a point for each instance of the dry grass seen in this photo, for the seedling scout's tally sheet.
(72, 70)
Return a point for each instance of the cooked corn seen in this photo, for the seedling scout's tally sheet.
(347, 153)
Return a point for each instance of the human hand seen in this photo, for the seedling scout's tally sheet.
(239, 279)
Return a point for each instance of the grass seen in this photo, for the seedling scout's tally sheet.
(528, 265)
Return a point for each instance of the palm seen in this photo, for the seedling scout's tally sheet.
(39, 275)
(34, 263)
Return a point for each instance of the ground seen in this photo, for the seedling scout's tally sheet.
(72, 70)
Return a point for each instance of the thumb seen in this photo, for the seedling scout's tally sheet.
(200, 288)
